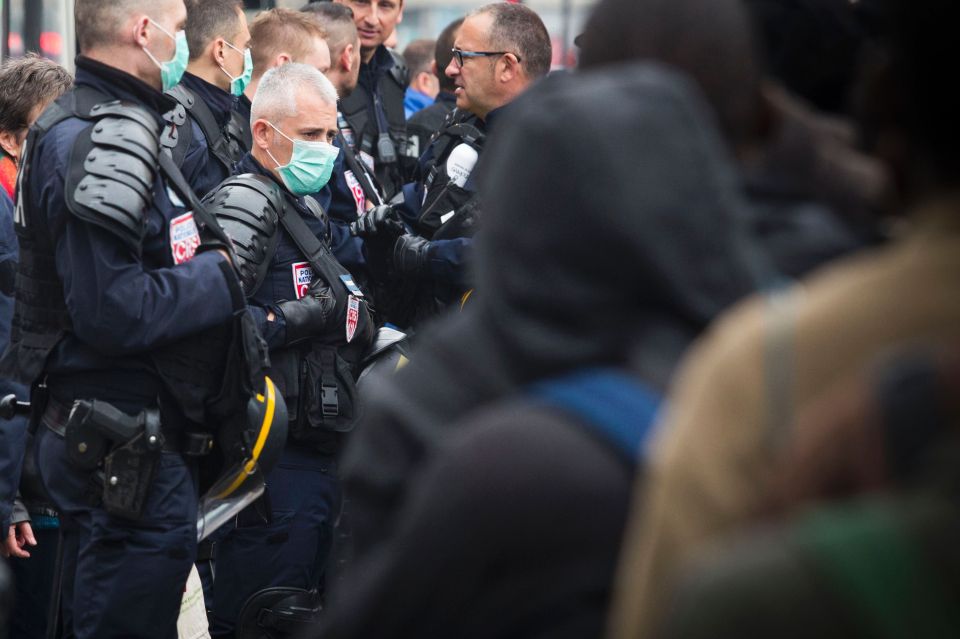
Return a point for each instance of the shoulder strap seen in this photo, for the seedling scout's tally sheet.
(612, 405)
(360, 171)
(200, 212)
(200, 112)
(313, 249)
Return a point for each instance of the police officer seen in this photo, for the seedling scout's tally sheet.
(116, 275)
(376, 126)
(220, 69)
(499, 50)
(317, 325)
(279, 36)
(353, 188)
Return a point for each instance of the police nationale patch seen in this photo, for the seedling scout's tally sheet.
(184, 238)
(302, 276)
(353, 317)
(348, 137)
(357, 190)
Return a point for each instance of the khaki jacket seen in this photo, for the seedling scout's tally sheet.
(759, 365)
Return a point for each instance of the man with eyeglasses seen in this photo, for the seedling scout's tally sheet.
(498, 52)
(219, 70)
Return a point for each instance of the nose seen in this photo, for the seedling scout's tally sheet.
(453, 69)
(372, 14)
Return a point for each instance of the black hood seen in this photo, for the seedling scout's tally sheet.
(614, 226)
(614, 223)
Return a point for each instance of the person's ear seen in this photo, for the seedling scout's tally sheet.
(282, 59)
(219, 52)
(262, 134)
(140, 31)
(10, 142)
(346, 58)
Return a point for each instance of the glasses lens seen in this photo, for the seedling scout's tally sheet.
(458, 54)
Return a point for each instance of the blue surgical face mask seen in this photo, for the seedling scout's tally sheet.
(172, 70)
(310, 166)
(239, 84)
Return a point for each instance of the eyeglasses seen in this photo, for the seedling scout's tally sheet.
(459, 55)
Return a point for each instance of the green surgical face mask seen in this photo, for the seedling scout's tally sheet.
(310, 166)
(239, 84)
(172, 70)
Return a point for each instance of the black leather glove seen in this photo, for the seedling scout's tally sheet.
(409, 255)
(381, 221)
(308, 316)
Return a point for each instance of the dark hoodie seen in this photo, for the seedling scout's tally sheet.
(614, 225)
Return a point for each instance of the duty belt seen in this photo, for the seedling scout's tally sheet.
(57, 415)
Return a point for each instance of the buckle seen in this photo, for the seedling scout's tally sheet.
(330, 401)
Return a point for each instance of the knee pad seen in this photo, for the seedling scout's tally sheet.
(278, 613)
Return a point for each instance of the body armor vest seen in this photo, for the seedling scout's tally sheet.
(98, 191)
(449, 210)
(394, 159)
(251, 209)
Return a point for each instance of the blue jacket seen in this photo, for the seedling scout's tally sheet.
(205, 172)
(123, 306)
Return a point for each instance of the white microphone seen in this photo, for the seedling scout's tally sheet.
(460, 164)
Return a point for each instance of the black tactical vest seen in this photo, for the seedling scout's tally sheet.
(394, 156)
(449, 210)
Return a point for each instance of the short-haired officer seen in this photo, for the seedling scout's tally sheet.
(219, 71)
(353, 188)
(316, 323)
(499, 50)
(278, 36)
(373, 113)
(123, 296)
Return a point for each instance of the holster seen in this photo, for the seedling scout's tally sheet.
(129, 447)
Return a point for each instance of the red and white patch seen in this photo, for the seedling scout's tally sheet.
(357, 190)
(353, 317)
(184, 238)
(302, 276)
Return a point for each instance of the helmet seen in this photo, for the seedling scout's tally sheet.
(251, 443)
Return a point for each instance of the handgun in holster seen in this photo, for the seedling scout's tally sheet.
(129, 447)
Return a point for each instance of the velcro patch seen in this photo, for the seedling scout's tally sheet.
(184, 238)
(302, 277)
(353, 317)
(358, 196)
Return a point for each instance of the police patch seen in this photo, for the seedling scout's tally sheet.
(357, 190)
(184, 238)
(302, 277)
(353, 317)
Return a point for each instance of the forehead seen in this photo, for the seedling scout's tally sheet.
(313, 112)
(474, 31)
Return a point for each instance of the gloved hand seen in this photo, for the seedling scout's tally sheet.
(308, 316)
(409, 255)
(382, 221)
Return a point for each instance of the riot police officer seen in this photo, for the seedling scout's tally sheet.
(316, 323)
(220, 69)
(123, 306)
(500, 49)
(373, 113)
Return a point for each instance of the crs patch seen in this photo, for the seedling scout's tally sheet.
(184, 238)
(358, 196)
(353, 317)
(302, 277)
